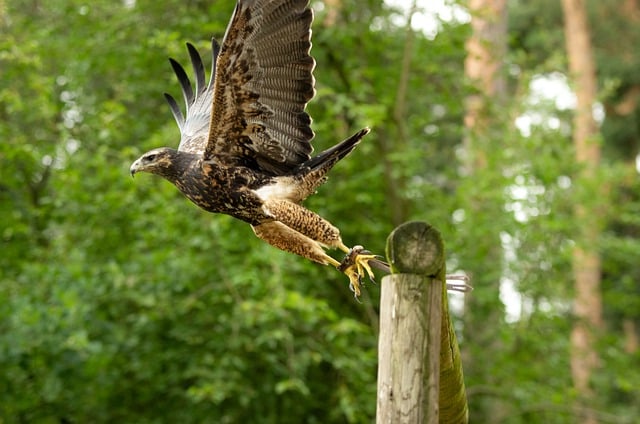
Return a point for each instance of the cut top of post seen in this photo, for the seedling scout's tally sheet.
(416, 248)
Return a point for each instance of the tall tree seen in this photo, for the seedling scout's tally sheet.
(586, 259)
(621, 130)
(484, 314)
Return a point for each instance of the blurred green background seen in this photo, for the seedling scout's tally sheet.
(122, 302)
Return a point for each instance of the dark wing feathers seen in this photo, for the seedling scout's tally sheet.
(194, 128)
(185, 84)
(262, 85)
(252, 111)
(175, 109)
(198, 68)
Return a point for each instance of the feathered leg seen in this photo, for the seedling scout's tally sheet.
(313, 228)
(284, 238)
(305, 222)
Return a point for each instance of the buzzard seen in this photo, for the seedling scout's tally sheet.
(245, 147)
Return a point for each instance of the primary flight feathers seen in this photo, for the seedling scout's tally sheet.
(245, 140)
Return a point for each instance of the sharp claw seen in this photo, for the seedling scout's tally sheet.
(357, 264)
(354, 281)
(362, 262)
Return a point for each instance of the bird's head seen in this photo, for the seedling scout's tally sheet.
(161, 161)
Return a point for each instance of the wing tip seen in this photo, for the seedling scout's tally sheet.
(183, 79)
(175, 109)
(215, 46)
(198, 68)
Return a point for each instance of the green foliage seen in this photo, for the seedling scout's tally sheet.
(122, 302)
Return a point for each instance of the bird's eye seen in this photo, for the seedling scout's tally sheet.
(150, 158)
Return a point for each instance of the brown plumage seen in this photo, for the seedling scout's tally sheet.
(246, 138)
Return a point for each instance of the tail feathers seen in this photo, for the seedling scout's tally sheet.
(325, 160)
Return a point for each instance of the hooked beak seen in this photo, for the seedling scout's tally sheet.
(134, 167)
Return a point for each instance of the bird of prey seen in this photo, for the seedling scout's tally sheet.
(245, 147)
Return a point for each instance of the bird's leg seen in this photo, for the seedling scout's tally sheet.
(357, 258)
(304, 221)
(279, 235)
(357, 262)
(313, 227)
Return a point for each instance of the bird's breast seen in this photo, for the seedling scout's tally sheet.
(222, 190)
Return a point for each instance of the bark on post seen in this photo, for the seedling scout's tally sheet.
(417, 346)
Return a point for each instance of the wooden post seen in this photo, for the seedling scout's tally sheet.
(417, 346)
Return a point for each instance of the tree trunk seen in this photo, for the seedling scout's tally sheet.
(333, 11)
(485, 52)
(396, 139)
(586, 259)
(484, 314)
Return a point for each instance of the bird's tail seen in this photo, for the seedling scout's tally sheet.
(324, 161)
(313, 172)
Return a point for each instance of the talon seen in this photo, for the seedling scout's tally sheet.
(362, 264)
(358, 263)
(350, 258)
(354, 281)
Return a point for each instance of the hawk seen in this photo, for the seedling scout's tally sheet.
(245, 147)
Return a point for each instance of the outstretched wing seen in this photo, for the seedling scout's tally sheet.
(263, 81)
(194, 128)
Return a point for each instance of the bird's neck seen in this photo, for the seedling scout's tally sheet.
(180, 163)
